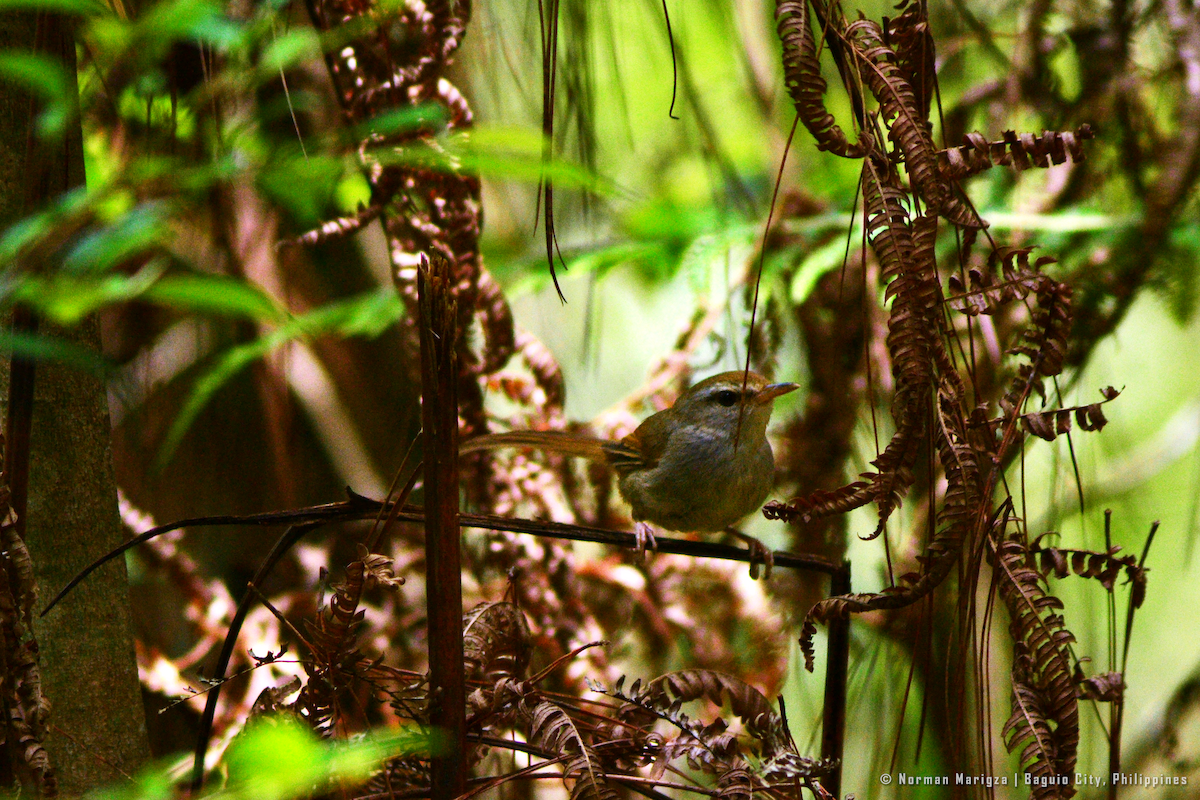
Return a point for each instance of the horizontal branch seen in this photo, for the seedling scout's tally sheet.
(359, 507)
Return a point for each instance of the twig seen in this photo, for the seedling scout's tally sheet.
(359, 507)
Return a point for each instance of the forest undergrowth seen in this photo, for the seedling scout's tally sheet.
(953, 345)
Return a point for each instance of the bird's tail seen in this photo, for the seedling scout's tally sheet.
(562, 442)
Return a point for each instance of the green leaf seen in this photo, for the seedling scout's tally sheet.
(198, 20)
(514, 153)
(81, 7)
(214, 294)
(274, 760)
(128, 236)
(604, 259)
(277, 758)
(352, 192)
(23, 234)
(38, 347)
(363, 315)
(533, 276)
(292, 47)
(402, 120)
(356, 762)
(816, 264)
(49, 80)
(1069, 221)
(67, 299)
(706, 250)
(670, 223)
(306, 187)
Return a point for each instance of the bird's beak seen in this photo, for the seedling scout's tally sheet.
(773, 390)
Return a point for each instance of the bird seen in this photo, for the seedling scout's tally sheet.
(697, 467)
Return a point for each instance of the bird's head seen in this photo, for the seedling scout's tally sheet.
(721, 400)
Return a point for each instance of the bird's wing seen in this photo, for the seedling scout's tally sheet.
(640, 449)
(563, 442)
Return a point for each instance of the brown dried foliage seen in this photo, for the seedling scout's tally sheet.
(931, 406)
(400, 62)
(1021, 151)
(337, 662)
(711, 747)
(969, 436)
(429, 211)
(802, 77)
(1045, 718)
(1103, 567)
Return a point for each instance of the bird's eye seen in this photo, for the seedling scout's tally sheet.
(727, 397)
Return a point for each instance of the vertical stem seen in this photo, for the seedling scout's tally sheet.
(833, 726)
(1116, 716)
(443, 581)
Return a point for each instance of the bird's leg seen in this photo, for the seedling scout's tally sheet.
(759, 554)
(644, 533)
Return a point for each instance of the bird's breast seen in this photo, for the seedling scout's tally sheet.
(705, 486)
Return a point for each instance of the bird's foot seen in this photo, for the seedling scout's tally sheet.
(759, 554)
(644, 534)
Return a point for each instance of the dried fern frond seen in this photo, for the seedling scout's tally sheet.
(802, 77)
(1104, 567)
(984, 294)
(1105, 687)
(496, 642)
(1044, 722)
(550, 727)
(333, 640)
(1045, 345)
(1021, 151)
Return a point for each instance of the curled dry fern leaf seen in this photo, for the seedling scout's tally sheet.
(705, 747)
(1045, 345)
(747, 703)
(551, 728)
(708, 747)
(1045, 719)
(957, 523)
(912, 287)
(821, 503)
(1054, 422)
(333, 638)
(913, 327)
(1049, 425)
(909, 36)
(735, 784)
(1105, 687)
(1018, 150)
(1104, 567)
(984, 294)
(423, 210)
(900, 110)
(802, 77)
(496, 642)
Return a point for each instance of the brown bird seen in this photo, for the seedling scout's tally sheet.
(699, 466)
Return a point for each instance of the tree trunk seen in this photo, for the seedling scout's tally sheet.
(89, 673)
